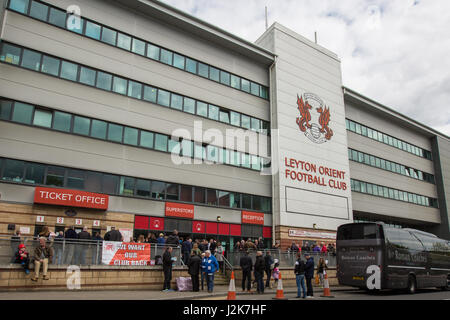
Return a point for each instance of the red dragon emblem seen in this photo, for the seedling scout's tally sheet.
(305, 115)
(324, 119)
(317, 132)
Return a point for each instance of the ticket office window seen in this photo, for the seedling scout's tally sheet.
(252, 231)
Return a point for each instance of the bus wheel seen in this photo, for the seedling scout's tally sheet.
(446, 288)
(411, 289)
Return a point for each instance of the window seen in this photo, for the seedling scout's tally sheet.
(130, 136)
(109, 36)
(235, 118)
(31, 60)
(150, 94)
(19, 5)
(235, 200)
(245, 121)
(245, 85)
(224, 198)
(5, 109)
(124, 41)
(115, 132)
(13, 170)
(81, 125)
(191, 65)
(178, 61)
(62, 121)
(256, 163)
(187, 148)
(93, 30)
(69, 71)
(202, 109)
(199, 151)
(214, 74)
(172, 191)
(254, 88)
(153, 52)
(246, 201)
(98, 129)
(213, 112)
(264, 93)
(42, 118)
(34, 173)
(186, 193)
(189, 105)
(255, 124)
(235, 82)
(199, 195)
(224, 78)
(104, 80)
(211, 197)
(126, 187)
(158, 190)
(138, 47)
(174, 146)
(10, 54)
(163, 98)
(143, 188)
(161, 142)
(235, 158)
(224, 116)
(75, 179)
(203, 70)
(166, 56)
(212, 153)
(176, 102)
(87, 76)
(110, 183)
(50, 65)
(22, 113)
(39, 11)
(75, 23)
(146, 139)
(55, 176)
(120, 85)
(134, 89)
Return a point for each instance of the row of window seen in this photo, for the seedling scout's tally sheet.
(388, 223)
(93, 30)
(63, 69)
(24, 113)
(387, 139)
(374, 161)
(41, 174)
(385, 192)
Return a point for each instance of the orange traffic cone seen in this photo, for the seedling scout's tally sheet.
(326, 287)
(280, 295)
(232, 288)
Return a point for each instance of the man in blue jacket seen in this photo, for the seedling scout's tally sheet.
(211, 266)
(309, 275)
(186, 248)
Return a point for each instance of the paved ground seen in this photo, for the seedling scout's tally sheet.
(220, 292)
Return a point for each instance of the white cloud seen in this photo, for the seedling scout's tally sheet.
(396, 52)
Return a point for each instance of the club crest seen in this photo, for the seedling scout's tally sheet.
(312, 107)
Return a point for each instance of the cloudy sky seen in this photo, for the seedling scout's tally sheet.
(396, 52)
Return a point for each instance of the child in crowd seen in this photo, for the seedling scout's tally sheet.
(276, 272)
(23, 258)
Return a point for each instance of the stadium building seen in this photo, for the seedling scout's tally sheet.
(136, 115)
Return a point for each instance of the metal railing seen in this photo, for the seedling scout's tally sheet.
(89, 252)
(73, 251)
(285, 258)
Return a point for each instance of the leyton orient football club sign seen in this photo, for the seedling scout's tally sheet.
(314, 118)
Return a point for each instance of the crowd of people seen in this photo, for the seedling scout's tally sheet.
(204, 258)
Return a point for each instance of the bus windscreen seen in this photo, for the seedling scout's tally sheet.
(359, 231)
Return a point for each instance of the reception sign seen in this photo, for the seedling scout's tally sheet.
(117, 253)
(252, 217)
(71, 198)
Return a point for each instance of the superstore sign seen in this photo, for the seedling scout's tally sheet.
(71, 198)
(311, 173)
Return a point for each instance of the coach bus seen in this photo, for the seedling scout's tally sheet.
(374, 256)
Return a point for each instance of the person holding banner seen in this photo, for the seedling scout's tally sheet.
(167, 268)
